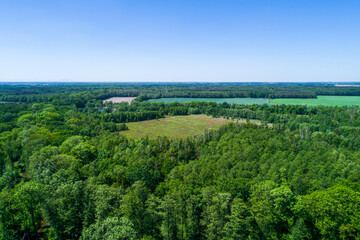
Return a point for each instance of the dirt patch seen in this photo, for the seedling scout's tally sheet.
(120, 99)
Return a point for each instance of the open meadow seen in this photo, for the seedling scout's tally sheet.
(174, 126)
(247, 101)
(320, 100)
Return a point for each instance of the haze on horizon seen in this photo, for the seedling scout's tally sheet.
(200, 41)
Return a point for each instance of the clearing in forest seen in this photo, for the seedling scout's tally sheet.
(174, 126)
(120, 99)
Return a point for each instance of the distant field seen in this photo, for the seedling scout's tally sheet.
(217, 100)
(120, 99)
(2, 102)
(321, 100)
(174, 127)
(347, 85)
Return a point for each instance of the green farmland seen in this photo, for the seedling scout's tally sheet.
(174, 126)
(248, 101)
(320, 100)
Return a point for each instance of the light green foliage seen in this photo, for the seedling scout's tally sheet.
(84, 151)
(33, 139)
(111, 228)
(264, 209)
(168, 226)
(336, 212)
(41, 167)
(26, 120)
(133, 206)
(20, 210)
(106, 201)
(70, 143)
(64, 209)
(241, 222)
(216, 210)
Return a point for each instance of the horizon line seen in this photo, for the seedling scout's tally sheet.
(174, 82)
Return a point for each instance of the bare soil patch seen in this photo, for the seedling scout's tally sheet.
(120, 99)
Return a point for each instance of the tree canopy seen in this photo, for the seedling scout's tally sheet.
(67, 172)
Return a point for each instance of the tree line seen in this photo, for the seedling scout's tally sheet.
(80, 94)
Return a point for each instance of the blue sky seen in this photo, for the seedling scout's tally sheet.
(168, 40)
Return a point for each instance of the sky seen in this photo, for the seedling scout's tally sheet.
(180, 40)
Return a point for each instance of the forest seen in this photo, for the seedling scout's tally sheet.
(67, 172)
(82, 93)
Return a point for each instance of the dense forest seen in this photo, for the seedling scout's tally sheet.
(81, 93)
(67, 172)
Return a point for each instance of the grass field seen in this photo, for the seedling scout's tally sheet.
(217, 100)
(173, 127)
(321, 100)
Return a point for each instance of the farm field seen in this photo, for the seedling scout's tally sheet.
(174, 126)
(7, 102)
(321, 100)
(217, 100)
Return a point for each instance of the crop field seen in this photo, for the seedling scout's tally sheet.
(321, 100)
(174, 126)
(217, 100)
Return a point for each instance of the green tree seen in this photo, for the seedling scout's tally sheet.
(241, 224)
(133, 206)
(272, 208)
(64, 209)
(215, 213)
(168, 226)
(20, 211)
(335, 212)
(111, 228)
